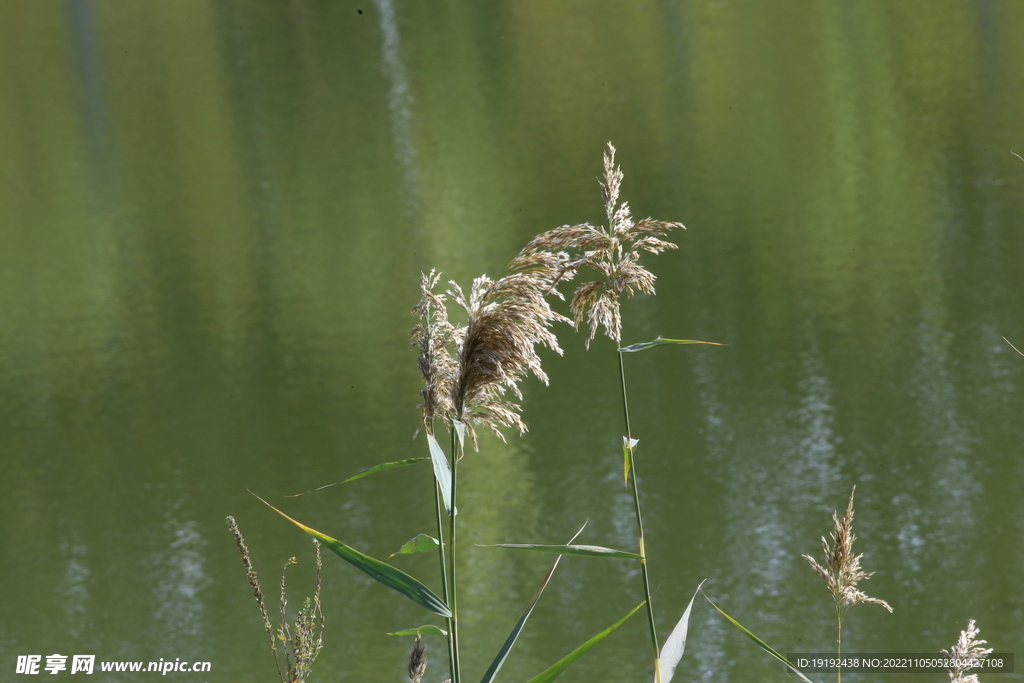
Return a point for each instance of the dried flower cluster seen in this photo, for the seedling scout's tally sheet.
(843, 570)
(302, 647)
(468, 370)
(967, 648)
(613, 251)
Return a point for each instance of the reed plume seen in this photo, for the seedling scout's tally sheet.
(613, 251)
(967, 648)
(842, 570)
(417, 660)
(468, 371)
(435, 337)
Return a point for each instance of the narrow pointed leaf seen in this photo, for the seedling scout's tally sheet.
(420, 544)
(556, 669)
(492, 671)
(460, 431)
(391, 577)
(674, 647)
(365, 473)
(584, 550)
(442, 472)
(661, 341)
(760, 643)
(427, 628)
(628, 445)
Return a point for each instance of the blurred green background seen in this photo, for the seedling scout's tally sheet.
(213, 218)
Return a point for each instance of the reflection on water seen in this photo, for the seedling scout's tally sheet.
(214, 215)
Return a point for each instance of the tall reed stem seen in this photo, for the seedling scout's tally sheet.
(444, 573)
(839, 646)
(640, 526)
(453, 605)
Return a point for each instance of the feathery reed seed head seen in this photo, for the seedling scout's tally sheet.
(614, 252)
(967, 647)
(417, 660)
(842, 568)
(468, 370)
(435, 337)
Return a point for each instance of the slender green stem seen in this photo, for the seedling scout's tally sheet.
(444, 572)
(640, 527)
(839, 646)
(453, 604)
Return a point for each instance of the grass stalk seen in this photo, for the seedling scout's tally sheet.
(640, 526)
(453, 593)
(444, 574)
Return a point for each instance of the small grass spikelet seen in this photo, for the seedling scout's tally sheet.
(614, 252)
(843, 571)
(967, 648)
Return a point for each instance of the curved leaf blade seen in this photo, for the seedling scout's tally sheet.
(760, 643)
(442, 472)
(583, 550)
(672, 650)
(421, 543)
(420, 630)
(556, 669)
(392, 577)
(365, 473)
(661, 341)
(502, 655)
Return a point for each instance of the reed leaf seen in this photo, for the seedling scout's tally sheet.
(628, 446)
(392, 577)
(661, 341)
(672, 650)
(442, 472)
(365, 473)
(583, 550)
(421, 543)
(556, 669)
(502, 655)
(420, 630)
(760, 643)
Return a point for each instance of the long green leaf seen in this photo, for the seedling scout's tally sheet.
(674, 647)
(584, 550)
(421, 543)
(502, 655)
(760, 643)
(628, 446)
(420, 630)
(391, 577)
(556, 669)
(661, 341)
(365, 473)
(442, 472)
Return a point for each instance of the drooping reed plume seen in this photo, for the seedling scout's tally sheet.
(468, 370)
(613, 251)
(967, 648)
(842, 570)
(302, 646)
